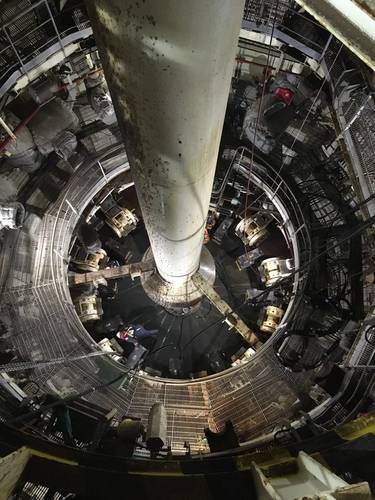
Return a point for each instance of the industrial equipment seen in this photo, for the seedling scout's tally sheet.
(200, 174)
(253, 230)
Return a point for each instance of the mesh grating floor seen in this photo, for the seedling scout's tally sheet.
(37, 311)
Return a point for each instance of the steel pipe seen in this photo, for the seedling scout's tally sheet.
(168, 64)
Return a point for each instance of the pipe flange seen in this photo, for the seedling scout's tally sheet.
(177, 298)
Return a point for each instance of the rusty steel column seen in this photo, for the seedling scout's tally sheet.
(168, 64)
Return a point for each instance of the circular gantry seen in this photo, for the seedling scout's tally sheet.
(216, 320)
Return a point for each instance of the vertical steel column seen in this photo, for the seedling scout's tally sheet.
(168, 64)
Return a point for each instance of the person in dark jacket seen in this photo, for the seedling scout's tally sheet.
(139, 333)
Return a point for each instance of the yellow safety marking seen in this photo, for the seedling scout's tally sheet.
(169, 474)
(48, 456)
(357, 428)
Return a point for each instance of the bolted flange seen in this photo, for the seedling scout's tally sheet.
(180, 299)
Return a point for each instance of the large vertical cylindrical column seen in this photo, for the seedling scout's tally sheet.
(168, 65)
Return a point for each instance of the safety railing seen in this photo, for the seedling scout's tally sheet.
(284, 19)
(32, 32)
(254, 396)
(43, 306)
(30, 29)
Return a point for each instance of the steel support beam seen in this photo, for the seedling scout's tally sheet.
(132, 270)
(348, 22)
(230, 317)
(168, 65)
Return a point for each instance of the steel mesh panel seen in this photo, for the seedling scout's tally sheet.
(258, 404)
(37, 492)
(29, 29)
(34, 491)
(185, 426)
(369, 295)
(325, 211)
(36, 304)
(355, 107)
(85, 114)
(80, 20)
(363, 134)
(28, 32)
(266, 11)
(99, 140)
(284, 18)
